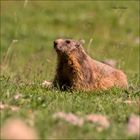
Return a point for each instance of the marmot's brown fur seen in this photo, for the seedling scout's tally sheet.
(77, 70)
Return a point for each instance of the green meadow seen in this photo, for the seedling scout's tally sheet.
(27, 58)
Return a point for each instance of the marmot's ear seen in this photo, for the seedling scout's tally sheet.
(82, 41)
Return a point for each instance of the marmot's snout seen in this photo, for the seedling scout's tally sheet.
(62, 45)
(58, 43)
(55, 44)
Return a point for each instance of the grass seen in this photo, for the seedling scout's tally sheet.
(28, 29)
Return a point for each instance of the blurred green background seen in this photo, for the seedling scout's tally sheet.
(112, 25)
(28, 29)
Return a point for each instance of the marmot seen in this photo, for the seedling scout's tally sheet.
(76, 70)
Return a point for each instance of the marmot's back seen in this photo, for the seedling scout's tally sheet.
(109, 76)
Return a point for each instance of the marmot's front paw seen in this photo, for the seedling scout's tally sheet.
(47, 84)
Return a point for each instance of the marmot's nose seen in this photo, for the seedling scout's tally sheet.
(55, 43)
(58, 41)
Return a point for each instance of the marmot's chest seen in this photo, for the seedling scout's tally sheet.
(66, 75)
(67, 70)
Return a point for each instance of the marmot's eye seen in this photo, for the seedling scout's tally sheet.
(68, 41)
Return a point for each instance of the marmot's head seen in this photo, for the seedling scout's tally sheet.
(68, 46)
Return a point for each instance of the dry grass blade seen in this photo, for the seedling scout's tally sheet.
(8, 56)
